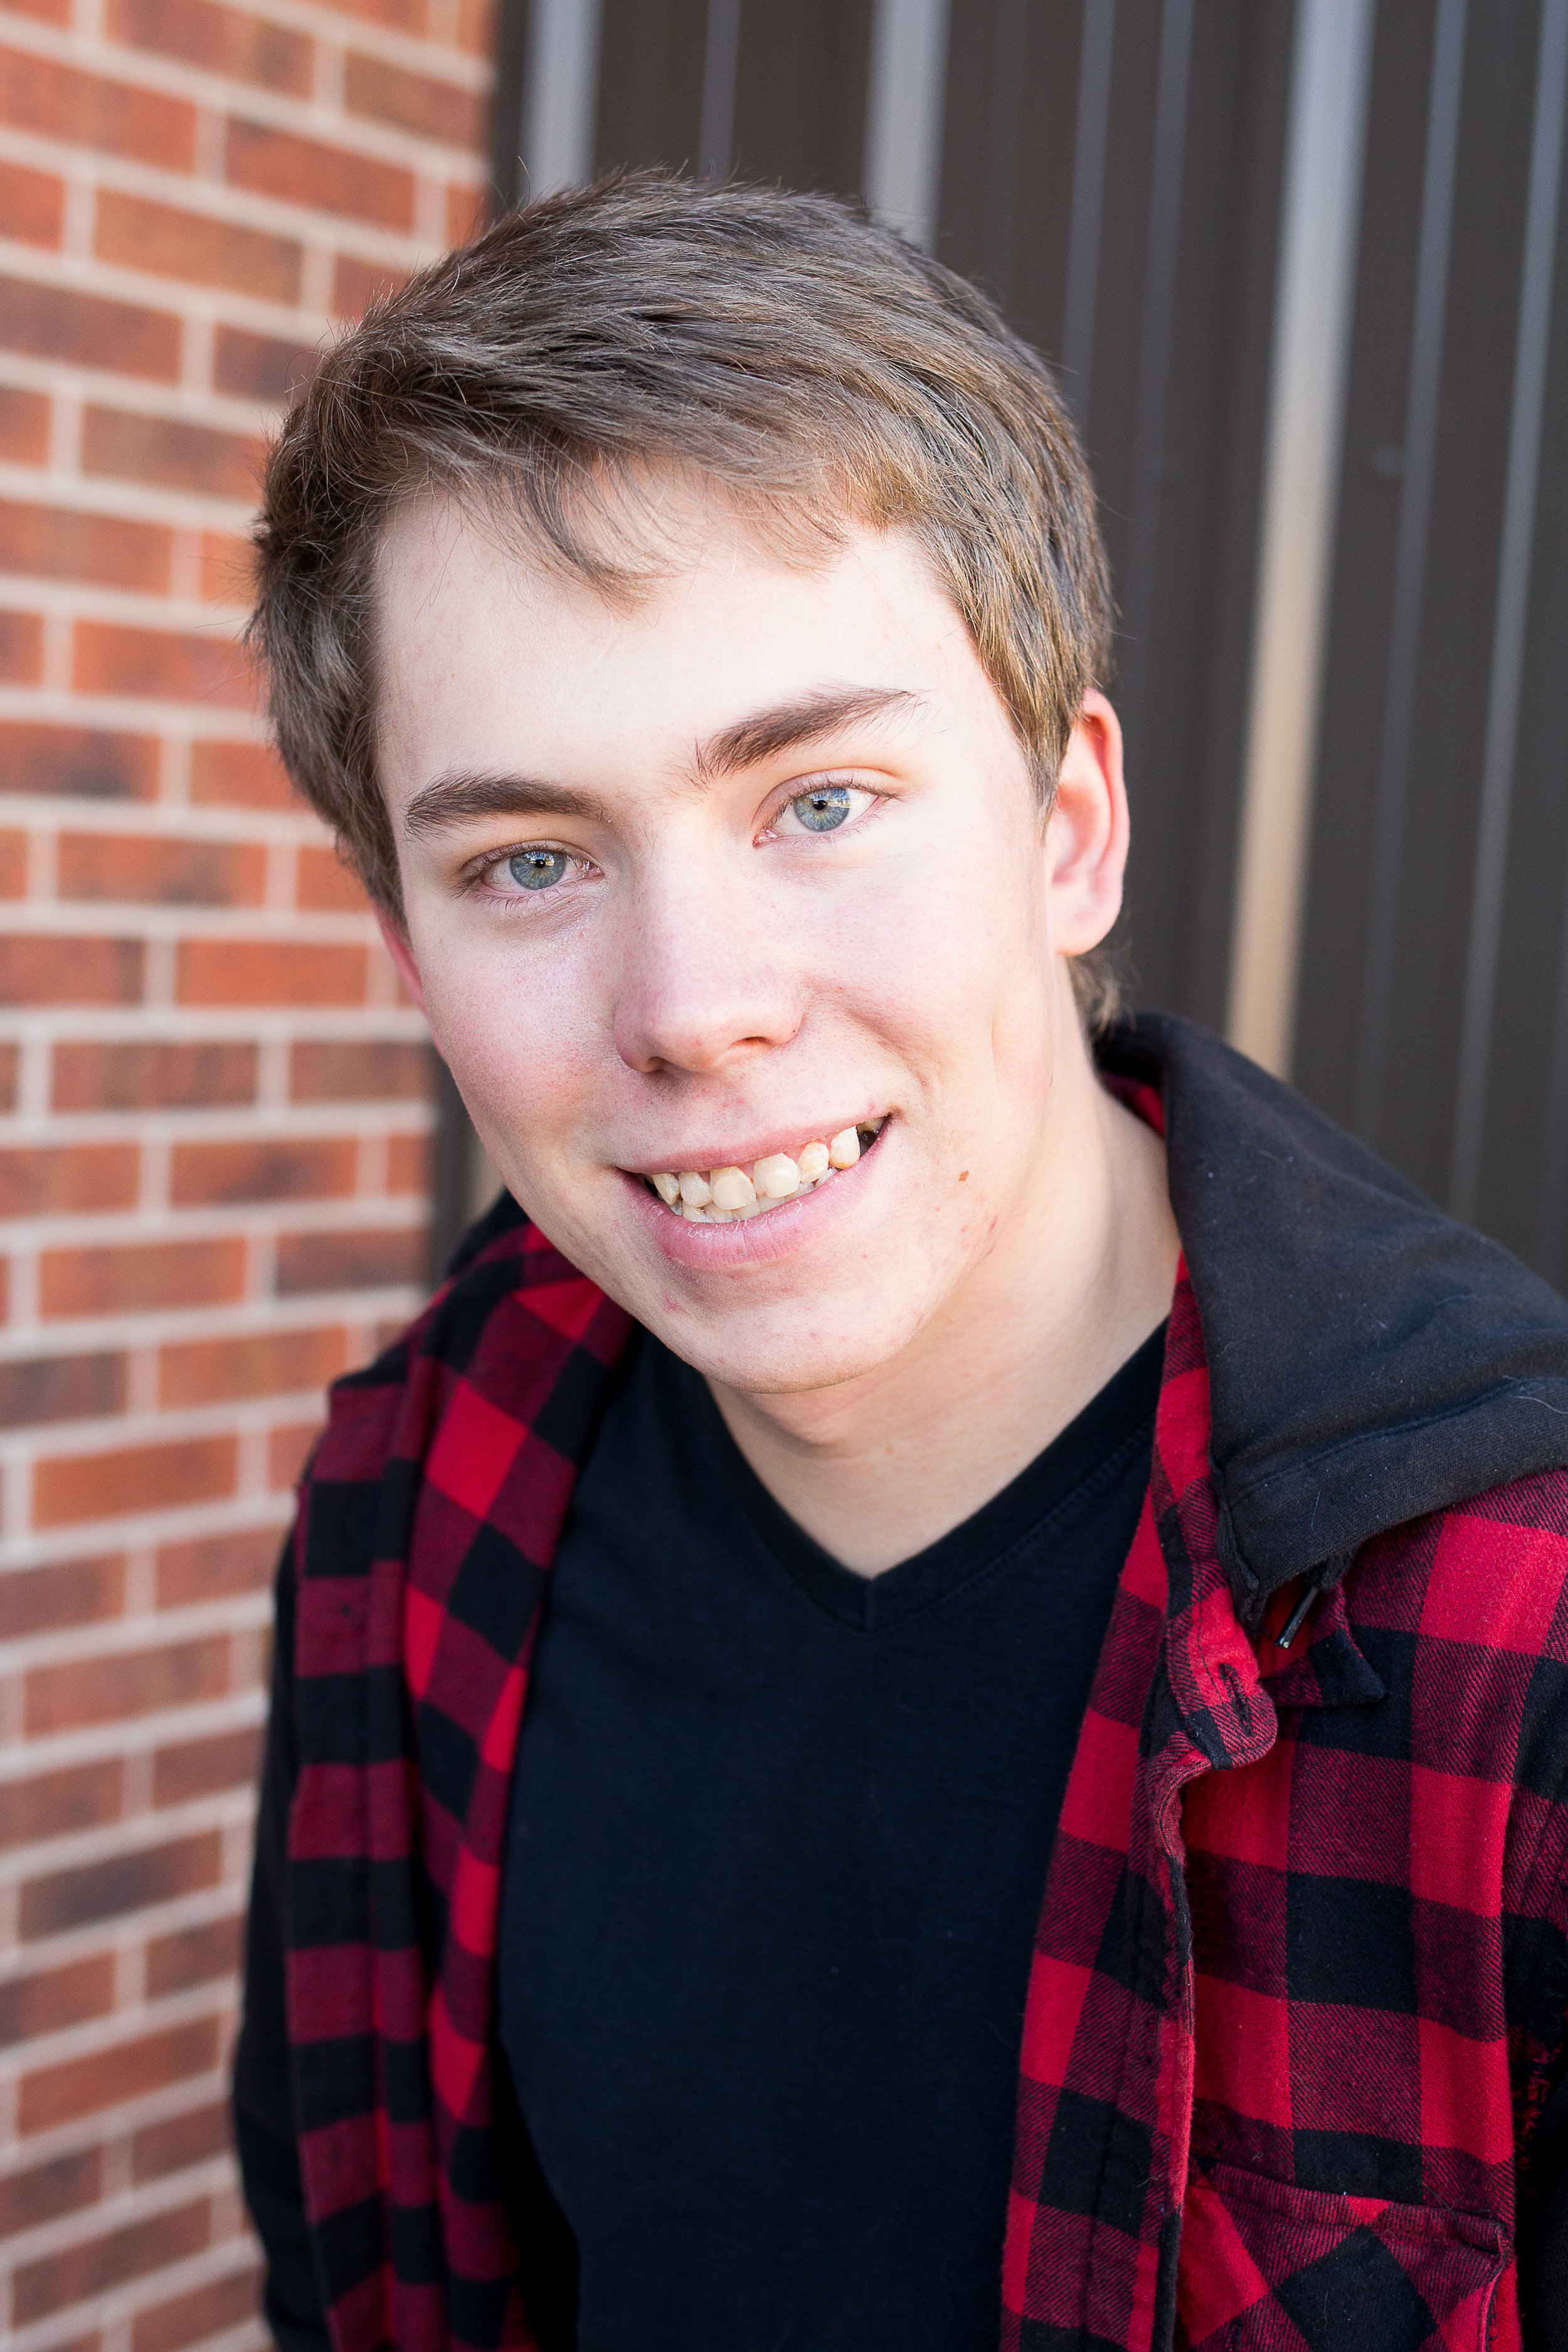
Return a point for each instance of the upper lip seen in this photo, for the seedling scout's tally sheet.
(790, 1139)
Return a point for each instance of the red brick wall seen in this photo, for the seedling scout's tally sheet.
(213, 1106)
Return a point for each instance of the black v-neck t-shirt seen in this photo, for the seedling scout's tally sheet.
(778, 1841)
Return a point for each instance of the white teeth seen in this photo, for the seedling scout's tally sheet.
(733, 1188)
(776, 1177)
(727, 1195)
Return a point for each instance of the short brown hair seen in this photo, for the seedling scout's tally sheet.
(782, 348)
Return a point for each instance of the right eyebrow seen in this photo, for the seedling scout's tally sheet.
(461, 798)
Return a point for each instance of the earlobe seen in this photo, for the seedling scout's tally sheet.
(402, 955)
(1088, 830)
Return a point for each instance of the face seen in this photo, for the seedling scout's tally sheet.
(735, 917)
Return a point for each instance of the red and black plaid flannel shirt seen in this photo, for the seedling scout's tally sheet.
(1302, 1962)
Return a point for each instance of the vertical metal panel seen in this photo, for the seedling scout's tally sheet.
(720, 63)
(506, 105)
(559, 93)
(903, 115)
(1522, 1191)
(1306, 403)
(651, 58)
(1420, 452)
(1129, 231)
(1201, 507)
(802, 80)
(1434, 906)
(1155, 466)
(1091, 137)
(1507, 639)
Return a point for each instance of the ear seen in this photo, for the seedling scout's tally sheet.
(402, 955)
(1086, 838)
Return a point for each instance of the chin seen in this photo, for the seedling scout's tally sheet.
(807, 1347)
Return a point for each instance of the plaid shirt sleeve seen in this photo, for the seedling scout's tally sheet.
(427, 1523)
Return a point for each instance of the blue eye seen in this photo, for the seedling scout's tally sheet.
(823, 808)
(538, 869)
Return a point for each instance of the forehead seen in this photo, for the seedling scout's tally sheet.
(488, 648)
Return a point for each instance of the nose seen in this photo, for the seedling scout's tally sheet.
(702, 984)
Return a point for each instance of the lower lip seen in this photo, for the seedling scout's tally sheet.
(755, 1241)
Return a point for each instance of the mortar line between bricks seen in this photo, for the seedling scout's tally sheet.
(399, 1024)
(154, 613)
(97, 1743)
(167, 1525)
(419, 54)
(116, 2029)
(109, 494)
(240, 1123)
(303, 118)
(190, 1523)
(155, 1629)
(128, 1432)
(155, 1923)
(114, 2212)
(250, 2337)
(408, 1213)
(221, 926)
(205, 1906)
(283, 829)
(165, 2104)
(157, 1626)
(242, 1320)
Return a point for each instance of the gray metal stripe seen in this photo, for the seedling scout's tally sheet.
(722, 56)
(1318, 233)
(1155, 356)
(1090, 138)
(1410, 560)
(559, 94)
(1513, 609)
(903, 116)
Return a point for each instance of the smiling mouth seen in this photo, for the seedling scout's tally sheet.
(729, 1196)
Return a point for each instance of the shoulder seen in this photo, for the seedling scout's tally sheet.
(1463, 1613)
(1488, 1572)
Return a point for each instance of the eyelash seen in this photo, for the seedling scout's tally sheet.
(803, 790)
(480, 876)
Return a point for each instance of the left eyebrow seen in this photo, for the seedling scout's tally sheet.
(791, 726)
(462, 797)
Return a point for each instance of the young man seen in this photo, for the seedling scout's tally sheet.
(924, 1709)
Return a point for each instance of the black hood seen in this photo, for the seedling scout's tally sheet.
(1369, 1359)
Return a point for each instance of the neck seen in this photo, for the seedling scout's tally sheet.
(877, 1467)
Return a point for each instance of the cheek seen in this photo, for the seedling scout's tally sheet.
(951, 960)
(518, 1040)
